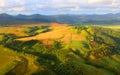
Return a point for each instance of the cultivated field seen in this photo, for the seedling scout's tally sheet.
(59, 49)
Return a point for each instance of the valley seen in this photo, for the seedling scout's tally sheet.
(59, 49)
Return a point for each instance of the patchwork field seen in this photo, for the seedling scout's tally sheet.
(61, 32)
(59, 49)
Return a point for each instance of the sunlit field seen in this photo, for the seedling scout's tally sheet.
(112, 26)
(20, 31)
(52, 49)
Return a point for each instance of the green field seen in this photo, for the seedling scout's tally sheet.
(110, 26)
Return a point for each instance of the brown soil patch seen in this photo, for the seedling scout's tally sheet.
(58, 25)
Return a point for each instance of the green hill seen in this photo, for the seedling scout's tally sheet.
(89, 50)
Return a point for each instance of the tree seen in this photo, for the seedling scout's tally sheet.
(56, 45)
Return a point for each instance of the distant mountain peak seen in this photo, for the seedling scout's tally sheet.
(4, 14)
(64, 18)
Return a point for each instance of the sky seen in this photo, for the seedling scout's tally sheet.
(54, 7)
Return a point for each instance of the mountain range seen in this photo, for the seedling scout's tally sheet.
(69, 19)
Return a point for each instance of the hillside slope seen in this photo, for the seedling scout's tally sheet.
(60, 49)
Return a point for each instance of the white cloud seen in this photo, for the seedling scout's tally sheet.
(115, 3)
(64, 6)
(17, 9)
(99, 1)
(54, 1)
(77, 8)
(21, 2)
(1, 11)
(73, 1)
(41, 6)
(2, 3)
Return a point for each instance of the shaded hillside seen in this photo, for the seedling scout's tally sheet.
(19, 19)
(70, 19)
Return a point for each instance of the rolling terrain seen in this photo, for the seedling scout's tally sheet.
(59, 49)
(104, 19)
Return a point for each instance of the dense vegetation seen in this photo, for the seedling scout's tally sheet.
(99, 53)
(31, 31)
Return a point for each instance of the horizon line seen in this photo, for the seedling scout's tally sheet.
(57, 14)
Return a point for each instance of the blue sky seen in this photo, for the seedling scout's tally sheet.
(53, 7)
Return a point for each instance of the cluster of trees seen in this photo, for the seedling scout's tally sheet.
(102, 42)
(105, 42)
(31, 31)
(78, 29)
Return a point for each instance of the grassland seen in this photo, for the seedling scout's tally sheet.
(11, 60)
(6, 55)
(59, 49)
(19, 31)
(111, 26)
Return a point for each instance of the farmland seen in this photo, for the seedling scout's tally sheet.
(59, 49)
